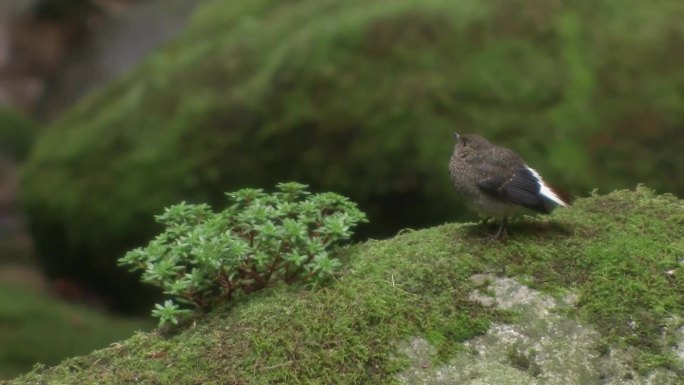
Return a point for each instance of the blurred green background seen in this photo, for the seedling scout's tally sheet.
(147, 103)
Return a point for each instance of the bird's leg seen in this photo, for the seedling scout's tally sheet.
(486, 224)
(502, 234)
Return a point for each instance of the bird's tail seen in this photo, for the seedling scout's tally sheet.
(565, 197)
(551, 194)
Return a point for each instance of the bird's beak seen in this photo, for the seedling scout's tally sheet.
(456, 136)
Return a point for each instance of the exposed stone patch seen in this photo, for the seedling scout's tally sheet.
(679, 349)
(543, 347)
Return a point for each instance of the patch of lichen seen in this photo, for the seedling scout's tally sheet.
(358, 97)
(621, 253)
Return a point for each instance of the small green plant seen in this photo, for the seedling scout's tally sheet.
(204, 257)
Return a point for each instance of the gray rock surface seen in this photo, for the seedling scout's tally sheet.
(121, 43)
(543, 347)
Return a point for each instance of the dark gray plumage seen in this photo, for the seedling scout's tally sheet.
(497, 183)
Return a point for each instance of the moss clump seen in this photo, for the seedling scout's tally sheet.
(418, 284)
(358, 97)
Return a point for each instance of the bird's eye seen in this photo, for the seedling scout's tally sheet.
(465, 143)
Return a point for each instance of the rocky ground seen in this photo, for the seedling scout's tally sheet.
(546, 345)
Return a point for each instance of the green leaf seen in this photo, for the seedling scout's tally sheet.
(169, 312)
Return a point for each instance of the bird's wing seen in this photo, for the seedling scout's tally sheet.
(521, 187)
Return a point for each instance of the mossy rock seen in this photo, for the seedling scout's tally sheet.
(605, 276)
(358, 97)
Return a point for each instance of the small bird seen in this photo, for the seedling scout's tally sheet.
(497, 183)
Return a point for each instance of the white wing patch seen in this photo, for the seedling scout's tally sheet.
(545, 190)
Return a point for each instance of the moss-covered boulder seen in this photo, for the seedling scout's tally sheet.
(593, 294)
(358, 97)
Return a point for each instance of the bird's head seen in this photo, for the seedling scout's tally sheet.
(467, 144)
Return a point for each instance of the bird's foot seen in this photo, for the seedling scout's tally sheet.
(502, 233)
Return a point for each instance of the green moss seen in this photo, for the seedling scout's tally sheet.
(615, 251)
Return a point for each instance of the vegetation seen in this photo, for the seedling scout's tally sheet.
(621, 253)
(358, 97)
(35, 327)
(16, 134)
(204, 258)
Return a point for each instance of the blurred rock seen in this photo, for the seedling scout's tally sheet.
(30, 49)
(54, 51)
(132, 31)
